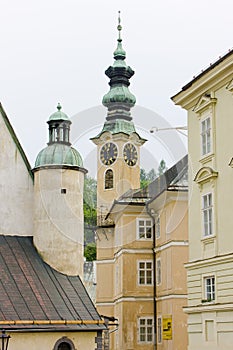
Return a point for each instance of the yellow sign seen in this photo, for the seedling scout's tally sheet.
(167, 328)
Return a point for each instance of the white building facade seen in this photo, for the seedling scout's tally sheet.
(208, 98)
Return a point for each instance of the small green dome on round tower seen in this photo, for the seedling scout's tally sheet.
(59, 151)
(59, 154)
(58, 115)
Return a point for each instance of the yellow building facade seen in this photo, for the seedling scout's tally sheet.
(208, 99)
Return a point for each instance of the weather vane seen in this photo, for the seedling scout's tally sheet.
(119, 27)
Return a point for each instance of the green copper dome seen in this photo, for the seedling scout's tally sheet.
(59, 151)
(59, 154)
(119, 94)
(58, 115)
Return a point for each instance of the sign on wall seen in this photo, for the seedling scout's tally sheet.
(167, 327)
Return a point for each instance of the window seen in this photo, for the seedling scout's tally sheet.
(145, 272)
(108, 181)
(64, 343)
(157, 227)
(64, 346)
(144, 229)
(207, 209)
(158, 271)
(159, 326)
(209, 285)
(145, 330)
(206, 136)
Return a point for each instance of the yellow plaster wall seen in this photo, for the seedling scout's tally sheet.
(47, 340)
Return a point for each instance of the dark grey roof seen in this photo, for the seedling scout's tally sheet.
(174, 179)
(31, 290)
(204, 71)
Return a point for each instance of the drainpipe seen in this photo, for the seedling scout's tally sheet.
(151, 213)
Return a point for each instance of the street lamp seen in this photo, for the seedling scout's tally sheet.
(4, 340)
(180, 129)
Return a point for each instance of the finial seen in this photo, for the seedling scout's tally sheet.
(59, 107)
(119, 27)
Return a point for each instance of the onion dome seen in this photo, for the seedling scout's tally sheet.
(59, 150)
(119, 99)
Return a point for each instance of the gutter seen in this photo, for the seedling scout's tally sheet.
(51, 322)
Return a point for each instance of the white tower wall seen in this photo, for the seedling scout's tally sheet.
(58, 218)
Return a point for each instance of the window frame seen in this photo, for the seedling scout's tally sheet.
(206, 132)
(148, 278)
(108, 171)
(145, 226)
(146, 333)
(157, 227)
(64, 340)
(159, 330)
(209, 295)
(207, 214)
(158, 272)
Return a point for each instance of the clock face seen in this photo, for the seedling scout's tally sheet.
(108, 153)
(130, 154)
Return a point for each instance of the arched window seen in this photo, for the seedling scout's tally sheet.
(64, 344)
(108, 181)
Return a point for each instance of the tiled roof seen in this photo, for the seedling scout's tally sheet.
(31, 290)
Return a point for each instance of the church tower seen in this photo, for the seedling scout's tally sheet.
(58, 199)
(118, 144)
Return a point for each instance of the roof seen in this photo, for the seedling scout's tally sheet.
(59, 154)
(204, 71)
(59, 115)
(30, 290)
(174, 179)
(16, 141)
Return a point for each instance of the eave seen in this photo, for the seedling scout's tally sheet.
(216, 74)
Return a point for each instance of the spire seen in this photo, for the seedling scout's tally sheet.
(119, 53)
(119, 99)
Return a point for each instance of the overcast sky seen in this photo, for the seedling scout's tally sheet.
(57, 51)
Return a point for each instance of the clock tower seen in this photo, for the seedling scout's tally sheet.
(118, 143)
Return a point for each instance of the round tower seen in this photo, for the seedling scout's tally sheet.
(58, 199)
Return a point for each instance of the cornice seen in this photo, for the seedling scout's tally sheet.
(205, 174)
(217, 75)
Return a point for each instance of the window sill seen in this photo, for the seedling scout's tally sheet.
(206, 158)
(208, 302)
(208, 239)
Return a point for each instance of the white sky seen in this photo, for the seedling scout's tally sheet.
(57, 51)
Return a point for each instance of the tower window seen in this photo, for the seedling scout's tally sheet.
(108, 181)
(63, 190)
